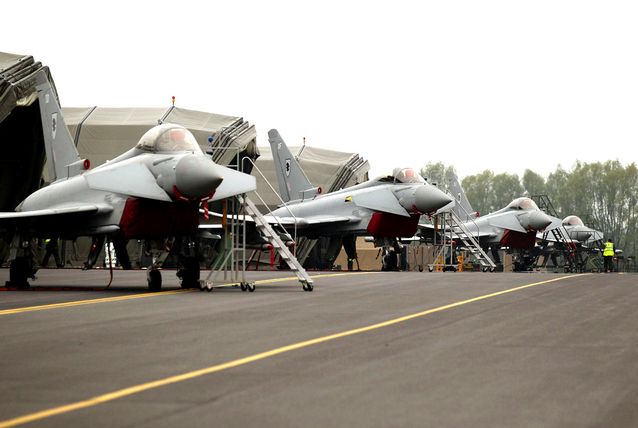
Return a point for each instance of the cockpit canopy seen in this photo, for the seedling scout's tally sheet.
(403, 175)
(572, 220)
(167, 138)
(407, 176)
(523, 204)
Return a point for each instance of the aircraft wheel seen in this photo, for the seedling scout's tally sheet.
(154, 279)
(19, 271)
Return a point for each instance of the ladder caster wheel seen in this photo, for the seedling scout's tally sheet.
(491, 269)
(430, 269)
(485, 268)
(242, 286)
(250, 286)
(307, 287)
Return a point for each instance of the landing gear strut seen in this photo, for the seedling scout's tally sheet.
(20, 270)
(154, 279)
(189, 273)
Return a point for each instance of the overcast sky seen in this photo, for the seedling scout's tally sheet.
(504, 85)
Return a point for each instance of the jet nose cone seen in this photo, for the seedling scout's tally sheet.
(196, 177)
(538, 220)
(580, 233)
(428, 198)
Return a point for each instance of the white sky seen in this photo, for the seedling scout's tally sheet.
(504, 85)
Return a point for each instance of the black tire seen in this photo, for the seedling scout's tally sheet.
(154, 279)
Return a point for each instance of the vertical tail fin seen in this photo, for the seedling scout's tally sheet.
(293, 183)
(63, 159)
(462, 208)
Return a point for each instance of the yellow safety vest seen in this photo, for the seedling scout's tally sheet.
(609, 249)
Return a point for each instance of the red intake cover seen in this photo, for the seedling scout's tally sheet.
(386, 225)
(149, 219)
(515, 239)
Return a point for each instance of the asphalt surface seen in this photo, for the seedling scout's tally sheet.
(556, 354)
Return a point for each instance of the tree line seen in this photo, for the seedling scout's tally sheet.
(603, 194)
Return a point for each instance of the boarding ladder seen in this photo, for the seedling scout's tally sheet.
(566, 244)
(278, 245)
(464, 234)
(564, 241)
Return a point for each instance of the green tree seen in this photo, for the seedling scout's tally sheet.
(478, 189)
(506, 187)
(533, 183)
(435, 173)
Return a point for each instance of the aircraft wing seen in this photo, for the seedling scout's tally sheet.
(132, 178)
(427, 230)
(55, 211)
(317, 220)
(54, 218)
(508, 221)
(235, 183)
(556, 222)
(379, 200)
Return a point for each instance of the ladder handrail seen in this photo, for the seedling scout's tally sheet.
(278, 196)
(281, 248)
(472, 239)
(467, 215)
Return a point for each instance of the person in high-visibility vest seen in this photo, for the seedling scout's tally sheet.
(608, 255)
(52, 249)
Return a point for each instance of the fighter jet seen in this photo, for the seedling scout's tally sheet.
(575, 228)
(385, 207)
(152, 191)
(514, 226)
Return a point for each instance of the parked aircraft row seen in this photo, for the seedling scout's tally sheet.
(155, 190)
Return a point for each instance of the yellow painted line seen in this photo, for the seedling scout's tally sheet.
(88, 302)
(291, 278)
(115, 395)
(144, 295)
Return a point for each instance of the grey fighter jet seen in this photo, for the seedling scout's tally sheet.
(152, 191)
(576, 230)
(514, 226)
(386, 207)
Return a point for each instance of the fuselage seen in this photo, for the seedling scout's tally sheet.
(375, 208)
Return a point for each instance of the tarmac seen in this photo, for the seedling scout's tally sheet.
(371, 349)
